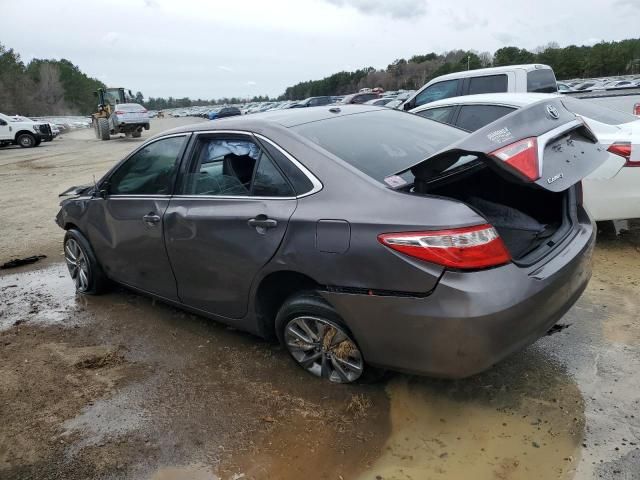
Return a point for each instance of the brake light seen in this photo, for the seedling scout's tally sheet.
(521, 156)
(465, 248)
(636, 109)
(119, 112)
(623, 149)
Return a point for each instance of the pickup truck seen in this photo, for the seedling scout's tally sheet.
(532, 78)
(27, 134)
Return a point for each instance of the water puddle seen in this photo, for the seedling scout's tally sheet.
(43, 296)
(481, 430)
(191, 472)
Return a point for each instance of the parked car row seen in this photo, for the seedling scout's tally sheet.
(610, 83)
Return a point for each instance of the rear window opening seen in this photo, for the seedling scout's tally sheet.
(541, 80)
(530, 220)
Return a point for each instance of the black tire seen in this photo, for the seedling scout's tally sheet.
(309, 304)
(103, 129)
(136, 134)
(96, 282)
(26, 140)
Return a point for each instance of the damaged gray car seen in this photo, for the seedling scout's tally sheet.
(360, 237)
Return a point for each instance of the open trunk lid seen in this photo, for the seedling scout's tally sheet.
(543, 143)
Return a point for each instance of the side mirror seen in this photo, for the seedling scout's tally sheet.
(408, 105)
(102, 191)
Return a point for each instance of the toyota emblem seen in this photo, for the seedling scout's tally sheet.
(553, 112)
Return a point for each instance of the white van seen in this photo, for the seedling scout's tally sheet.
(514, 78)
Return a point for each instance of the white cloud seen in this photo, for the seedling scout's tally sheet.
(404, 9)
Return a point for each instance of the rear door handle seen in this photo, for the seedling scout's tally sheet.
(262, 222)
(151, 219)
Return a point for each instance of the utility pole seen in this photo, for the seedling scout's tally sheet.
(468, 60)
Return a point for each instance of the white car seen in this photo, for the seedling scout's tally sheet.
(612, 192)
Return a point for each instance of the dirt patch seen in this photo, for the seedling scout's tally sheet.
(108, 359)
(120, 386)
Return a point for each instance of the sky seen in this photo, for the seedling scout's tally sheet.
(212, 48)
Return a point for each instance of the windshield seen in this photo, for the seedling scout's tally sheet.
(380, 142)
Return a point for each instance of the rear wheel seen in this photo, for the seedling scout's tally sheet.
(317, 339)
(103, 129)
(26, 140)
(84, 269)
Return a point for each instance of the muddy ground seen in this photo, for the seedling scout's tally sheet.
(120, 386)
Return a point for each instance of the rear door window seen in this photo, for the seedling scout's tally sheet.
(437, 91)
(541, 80)
(439, 114)
(473, 117)
(488, 84)
(234, 167)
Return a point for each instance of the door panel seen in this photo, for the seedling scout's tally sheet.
(130, 249)
(216, 253)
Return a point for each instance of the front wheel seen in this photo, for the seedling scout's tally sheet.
(315, 336)
(84, 269)
(104, 129)
(26, 140)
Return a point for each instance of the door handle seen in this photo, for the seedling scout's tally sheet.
(262, 222)
(151, 219)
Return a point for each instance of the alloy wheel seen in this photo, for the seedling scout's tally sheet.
(77, 264)
(323, 349)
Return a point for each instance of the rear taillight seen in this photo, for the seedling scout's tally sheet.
(521, 156)
(636, 109)
(465, 248)
(119, 112)
(623, 149)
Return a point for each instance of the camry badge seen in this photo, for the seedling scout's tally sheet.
(553, 112)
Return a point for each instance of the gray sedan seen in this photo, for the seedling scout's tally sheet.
(360, 237)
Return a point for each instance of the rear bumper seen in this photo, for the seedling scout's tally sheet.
(472, 320)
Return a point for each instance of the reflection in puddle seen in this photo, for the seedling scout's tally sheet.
(482, 430)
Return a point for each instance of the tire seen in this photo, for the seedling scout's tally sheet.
(84, 269)
(136, 134)
(26, 140)
(319, 341)
(103, 129)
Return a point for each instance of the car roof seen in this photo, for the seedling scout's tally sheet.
(286, 118)
(491, 71)
(513, 99)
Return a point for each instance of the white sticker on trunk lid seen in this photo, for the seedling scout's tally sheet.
(500, 136)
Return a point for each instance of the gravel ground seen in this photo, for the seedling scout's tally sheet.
(120, 386)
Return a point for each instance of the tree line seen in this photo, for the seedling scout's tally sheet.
(44, 87)
(601, 59)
